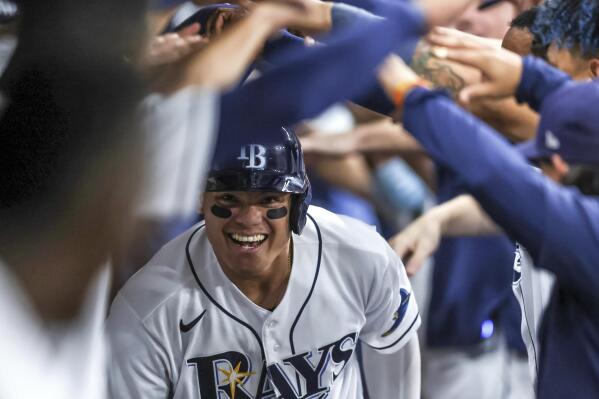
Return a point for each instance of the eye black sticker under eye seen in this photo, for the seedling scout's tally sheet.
(278, 213)
(220, 212)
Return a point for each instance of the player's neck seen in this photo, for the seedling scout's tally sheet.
(268, 288)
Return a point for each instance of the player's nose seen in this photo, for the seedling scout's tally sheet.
(249, 215)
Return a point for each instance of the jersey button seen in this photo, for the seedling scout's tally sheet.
(272, 324)
(276, 347)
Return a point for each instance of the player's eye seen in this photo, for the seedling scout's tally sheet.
(272, 200)
(227, 200)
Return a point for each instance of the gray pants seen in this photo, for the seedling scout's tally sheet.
(495, 373)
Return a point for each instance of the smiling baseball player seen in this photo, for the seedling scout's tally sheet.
(266, 298)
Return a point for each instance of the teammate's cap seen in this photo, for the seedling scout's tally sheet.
(569, 126)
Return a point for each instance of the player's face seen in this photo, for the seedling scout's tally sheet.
(570, 62)
(249, 231)
(492, 22)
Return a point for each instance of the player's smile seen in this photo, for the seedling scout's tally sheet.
(248, 241)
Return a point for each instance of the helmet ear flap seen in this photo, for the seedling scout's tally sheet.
(299, 210)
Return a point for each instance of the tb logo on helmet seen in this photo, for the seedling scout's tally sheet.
(255, 154)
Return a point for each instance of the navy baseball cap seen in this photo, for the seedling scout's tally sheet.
(569, 125)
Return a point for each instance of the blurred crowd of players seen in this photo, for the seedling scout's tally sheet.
(111, 111)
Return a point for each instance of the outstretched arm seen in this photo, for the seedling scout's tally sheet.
(315, 78)
(558, 225)
(380, 136)
(461, 216)
(221, 63)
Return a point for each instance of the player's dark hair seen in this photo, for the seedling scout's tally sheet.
(584, 177)
(525, 19)
(571, 24)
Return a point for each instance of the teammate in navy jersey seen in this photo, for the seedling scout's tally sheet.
(558, 226)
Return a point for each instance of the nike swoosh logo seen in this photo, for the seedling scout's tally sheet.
(186, 327)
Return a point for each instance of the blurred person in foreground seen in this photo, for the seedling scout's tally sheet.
(473, 344)
(69, 134)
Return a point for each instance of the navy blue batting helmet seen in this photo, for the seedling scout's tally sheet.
(276, 166)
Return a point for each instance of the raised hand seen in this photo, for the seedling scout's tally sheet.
(417, 242)
(172, 47)
(501, 69)
(311, 17)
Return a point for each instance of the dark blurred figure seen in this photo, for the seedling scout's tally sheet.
(70, 159)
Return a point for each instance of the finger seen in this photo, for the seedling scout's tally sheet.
(458, 34)
(191, 30)
(219, 23)
(400, 246)
(478, 59)
(246, 4)
(194, 39)
(477, 91)
(452, 41)
(419, 256)
(171, 37)
(197, 42)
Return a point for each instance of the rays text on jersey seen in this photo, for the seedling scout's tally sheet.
(228, 374)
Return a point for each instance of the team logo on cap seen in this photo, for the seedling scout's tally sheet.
(551, 141)
(255, 155)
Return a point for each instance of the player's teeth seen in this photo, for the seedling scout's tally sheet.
(252, 238)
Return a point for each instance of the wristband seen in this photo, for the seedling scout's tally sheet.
(403, 88)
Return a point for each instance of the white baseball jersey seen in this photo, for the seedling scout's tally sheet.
(532, 287)
(181, 329)
(52, 360)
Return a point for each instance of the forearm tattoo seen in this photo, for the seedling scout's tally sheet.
(436, 71)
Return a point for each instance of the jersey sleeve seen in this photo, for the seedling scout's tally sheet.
(538, 81)
(392, 315)
(181, 133)
(138, 368)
